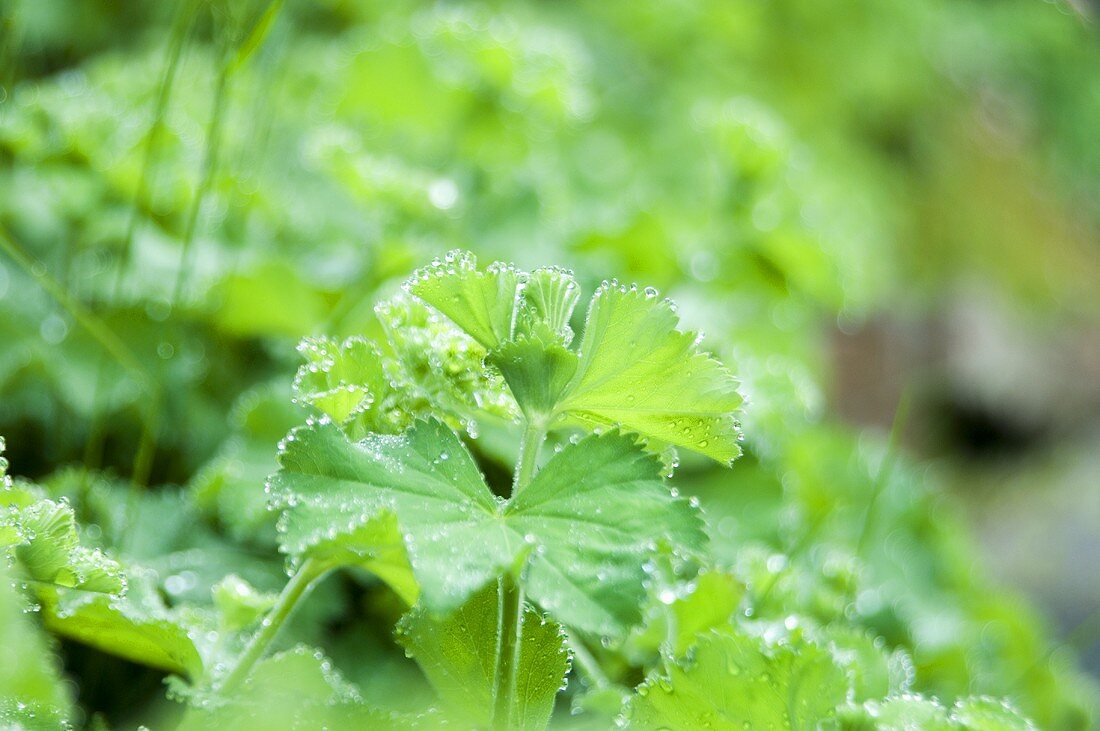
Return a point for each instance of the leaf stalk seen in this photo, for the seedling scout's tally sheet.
(304, 578)
(509, 642)
(534, 434)
(510, 593)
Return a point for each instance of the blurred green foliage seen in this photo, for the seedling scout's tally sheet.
(187, 189)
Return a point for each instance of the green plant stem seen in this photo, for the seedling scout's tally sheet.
(93, 447)
(95, 327)
(10, 32)
(209, 167)
(256, 37)
(140, 203)
(178, 40)
(308, 573)
(509, 641)
(534, 434)
(510, 594)
(901, 416)
(148, 409)
(214, 130)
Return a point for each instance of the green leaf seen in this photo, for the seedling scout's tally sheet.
(296, 689)
(32, 695)
(42, 536)
(303, 672)
(594, 511)
(899, 713)
(337, 497)
(85, 596)
(638, 371)
(912, 711)
(368, 538)
(675, 621)
(501, 302)
(709, 606)
(14, 497)
(873, 672)
(458, 655)
(736, 681)
(437, 370)
(48, 549)
(255, 38)
(341, 380)
(537, 373)
(138, 626)
(588, 519)
(632, 369)
(982, 713)
(549, 296)
(483, 304)
(239, 604)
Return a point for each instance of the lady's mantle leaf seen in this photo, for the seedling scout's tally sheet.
(481, 303)
(31, 692)
(537, 373)
(338, 496)
(342, 380)
(436, 370)
(296, 689)
(736, 681)
(873, 670)
(913, 711)
(982, 713)
(351, 534)
(637, 370)
(633, 368)
(80, 590)
(138, 626)
(711, 602)
(458, 654)
(42, 537)
(594, 512)
(49, 550)
(586, 522)
(549, 296)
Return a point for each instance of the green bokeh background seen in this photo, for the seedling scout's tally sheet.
(859, 203)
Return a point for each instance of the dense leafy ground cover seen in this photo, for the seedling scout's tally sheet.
(268, 473)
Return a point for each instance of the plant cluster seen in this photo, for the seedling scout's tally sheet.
(188, 189)
(507, 591)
